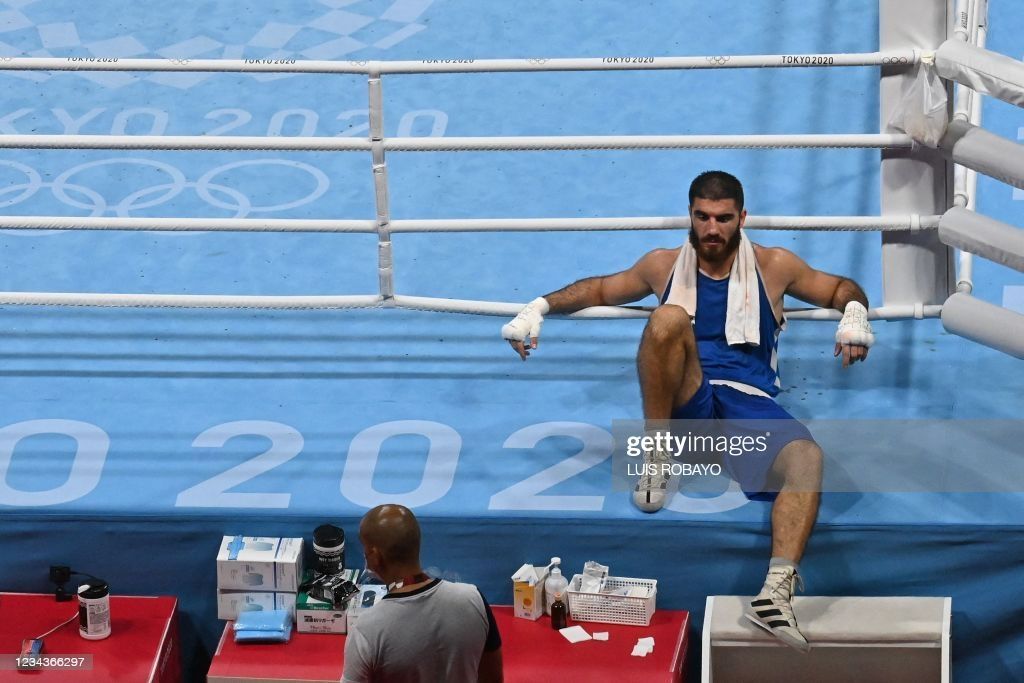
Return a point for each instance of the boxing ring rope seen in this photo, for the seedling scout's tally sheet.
(815, 223)
(459, 144)
(378, 145)
(378, 68)
(413, 303)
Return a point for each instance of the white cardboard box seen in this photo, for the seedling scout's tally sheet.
(318, 616)
(260, 564)
(528, 592)
(891, 639)
(232, 603)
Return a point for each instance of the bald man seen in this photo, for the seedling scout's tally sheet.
(425, 630)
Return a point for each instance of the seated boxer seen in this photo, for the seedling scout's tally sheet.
(709, 351)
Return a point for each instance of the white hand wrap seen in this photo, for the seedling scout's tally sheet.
(527, 323)
(854, 328)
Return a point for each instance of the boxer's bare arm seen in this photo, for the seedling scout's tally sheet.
(643, 278)
(794, 277)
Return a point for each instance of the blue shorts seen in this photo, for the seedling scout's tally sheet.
(738, 414)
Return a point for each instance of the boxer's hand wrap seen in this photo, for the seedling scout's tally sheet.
(527, 324)
(854, 328)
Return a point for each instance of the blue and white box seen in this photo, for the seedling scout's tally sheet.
(259, 564)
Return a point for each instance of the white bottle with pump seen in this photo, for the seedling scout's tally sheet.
(555, 586)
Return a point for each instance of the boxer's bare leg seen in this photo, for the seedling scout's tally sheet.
(798, 469)
(669, 370)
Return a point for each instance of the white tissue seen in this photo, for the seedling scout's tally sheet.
(643, 647)
(600, 635)
(574, 634)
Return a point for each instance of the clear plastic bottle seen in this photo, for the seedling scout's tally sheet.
(554, 593)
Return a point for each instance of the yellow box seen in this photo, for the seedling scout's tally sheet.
(527, 599)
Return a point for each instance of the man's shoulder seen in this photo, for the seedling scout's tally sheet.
(774, 257)
(458, 589)
(659, 262)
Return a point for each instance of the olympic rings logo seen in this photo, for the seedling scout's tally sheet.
(537, 61)
(717, 61)
(216, 194)
(180, 62)
(358, 62)
(895, 60)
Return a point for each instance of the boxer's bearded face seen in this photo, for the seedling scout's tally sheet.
(715, 231)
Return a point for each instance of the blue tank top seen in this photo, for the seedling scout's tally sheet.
(756, 366)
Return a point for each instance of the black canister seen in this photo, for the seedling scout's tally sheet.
(329, 546)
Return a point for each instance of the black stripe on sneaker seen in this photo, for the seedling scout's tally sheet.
(770, 613)
(761, 603)
(777, 623)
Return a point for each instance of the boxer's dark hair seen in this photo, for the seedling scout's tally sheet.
(717, 185)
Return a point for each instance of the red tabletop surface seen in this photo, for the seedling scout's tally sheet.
(305, 657)
(140, 647)
(532, 652)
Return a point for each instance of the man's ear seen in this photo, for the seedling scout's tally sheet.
(743, 217)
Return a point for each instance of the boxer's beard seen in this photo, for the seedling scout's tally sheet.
(731, 245)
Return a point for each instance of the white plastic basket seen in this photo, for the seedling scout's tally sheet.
(613, 609)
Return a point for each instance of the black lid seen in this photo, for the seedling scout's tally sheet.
(328, 536)
(93, 588)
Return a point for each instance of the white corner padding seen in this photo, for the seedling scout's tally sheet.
(982, 70)
(985, 323)
(984, 236)
(984, 152)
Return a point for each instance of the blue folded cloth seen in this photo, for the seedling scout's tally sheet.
(269, 626)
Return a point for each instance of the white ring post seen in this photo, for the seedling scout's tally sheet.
(962, 19)
(916, 267)
(968, 176)
(385, 260)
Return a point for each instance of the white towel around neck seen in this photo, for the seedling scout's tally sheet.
(743, 310)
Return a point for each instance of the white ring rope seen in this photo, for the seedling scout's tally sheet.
(907, 57)
(451, 144)
(802, 223)
(188, 300)
(567, 142)
(413, 303)
(378, 145)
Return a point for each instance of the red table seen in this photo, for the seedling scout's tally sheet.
(312, 657)
(532, 652)
(142, 647)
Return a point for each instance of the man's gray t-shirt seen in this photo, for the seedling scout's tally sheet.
(435, 633)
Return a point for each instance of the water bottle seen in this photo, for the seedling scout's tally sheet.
(554, 592)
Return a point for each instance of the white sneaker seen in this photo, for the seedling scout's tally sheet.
(651, 490)
(772, 610)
